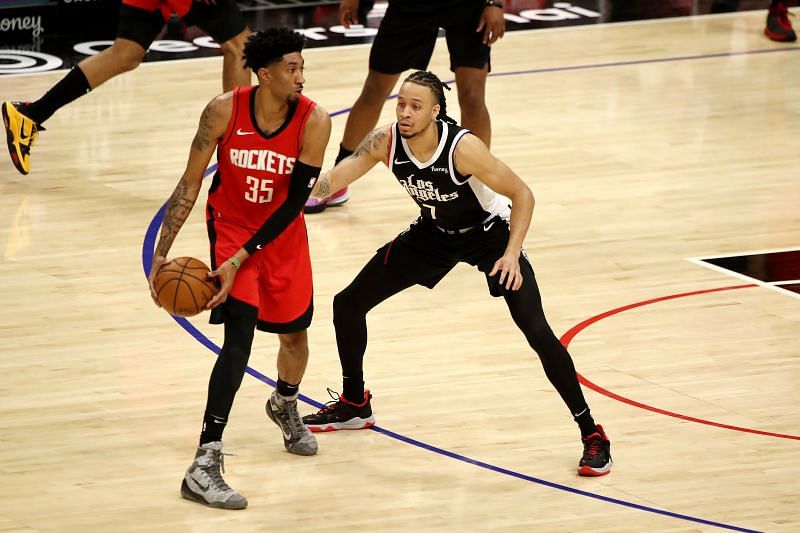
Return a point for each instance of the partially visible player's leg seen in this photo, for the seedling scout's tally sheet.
(375, 283)
(203, 480)
(282, 404)
(122, 56)
(224, 22)
(403, 41)
(470, 61)
(366, 109)
(286, 308)
(233, 73)
(23, 121)
(525, 305)
(394, 268)
(471, 86)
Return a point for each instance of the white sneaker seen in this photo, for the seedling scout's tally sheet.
(203, 481)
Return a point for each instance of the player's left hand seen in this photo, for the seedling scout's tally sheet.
(226, 272)
(348, 13)
(510, 274)
(493, 25)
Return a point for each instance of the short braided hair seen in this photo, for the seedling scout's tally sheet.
(268, 46)
(432, 82)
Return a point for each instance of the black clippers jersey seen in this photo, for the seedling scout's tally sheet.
(444, 196)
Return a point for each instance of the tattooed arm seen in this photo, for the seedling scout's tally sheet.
(373, 149)
(213, 124)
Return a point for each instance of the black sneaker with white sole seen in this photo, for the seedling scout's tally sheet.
(341, 414)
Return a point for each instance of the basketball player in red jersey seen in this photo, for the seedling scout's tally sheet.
(140, 21)
(463, 193)
(270, 141)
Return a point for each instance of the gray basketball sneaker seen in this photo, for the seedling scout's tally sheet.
(296, 437)
(203, 482)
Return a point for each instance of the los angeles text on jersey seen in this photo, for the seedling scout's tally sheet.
(265, 160)
(424, 190)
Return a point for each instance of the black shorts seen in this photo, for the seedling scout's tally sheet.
(222, 22)
(406, 39)
(424, 253)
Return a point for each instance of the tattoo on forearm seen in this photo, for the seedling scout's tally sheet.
(370, 142)
(178, 208)
(323, 188)
(203, 138)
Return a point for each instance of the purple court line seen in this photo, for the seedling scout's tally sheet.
(614, 64)
(148, 247)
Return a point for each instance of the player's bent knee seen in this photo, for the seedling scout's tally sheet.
(127, 60)
(345, 305)
(294, 344)
(471, 99)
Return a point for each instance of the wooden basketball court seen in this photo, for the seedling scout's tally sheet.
(645, 144)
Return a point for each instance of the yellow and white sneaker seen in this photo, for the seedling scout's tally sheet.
(21, 133)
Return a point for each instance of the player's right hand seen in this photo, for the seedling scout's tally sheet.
(348, 13)
(226, 272)
(493, 25)
(158, 262)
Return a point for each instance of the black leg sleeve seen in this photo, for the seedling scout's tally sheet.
(226, 377)
(375, 283)
(525, 305)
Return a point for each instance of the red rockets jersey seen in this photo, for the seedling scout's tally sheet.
(254, 169)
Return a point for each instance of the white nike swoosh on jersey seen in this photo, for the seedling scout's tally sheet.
(487, 227)
(258, 246)
(240, 132)
(396, 162)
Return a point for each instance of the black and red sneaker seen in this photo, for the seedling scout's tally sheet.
(596, 460)
(778, 27)
(341, 414)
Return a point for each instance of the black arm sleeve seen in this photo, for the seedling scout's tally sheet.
(300, 185)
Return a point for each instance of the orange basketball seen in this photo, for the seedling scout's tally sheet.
(183, 287)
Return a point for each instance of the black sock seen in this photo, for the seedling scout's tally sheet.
(213, 426)
(585, 422)
(353, 388)
(72, 86)
(343, 153)
(286, 389)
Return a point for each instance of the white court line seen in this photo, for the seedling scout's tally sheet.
(702, 262)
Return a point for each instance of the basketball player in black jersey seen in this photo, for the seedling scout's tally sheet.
(462, 191)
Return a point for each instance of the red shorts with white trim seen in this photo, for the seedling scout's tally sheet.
(274, 284)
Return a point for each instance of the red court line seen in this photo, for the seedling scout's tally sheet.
(569, 335)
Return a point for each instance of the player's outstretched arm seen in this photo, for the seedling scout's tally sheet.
(472, 157)
(213, 123)
(373, 149)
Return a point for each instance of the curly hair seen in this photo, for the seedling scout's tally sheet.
(268, 46)
(432, 82)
